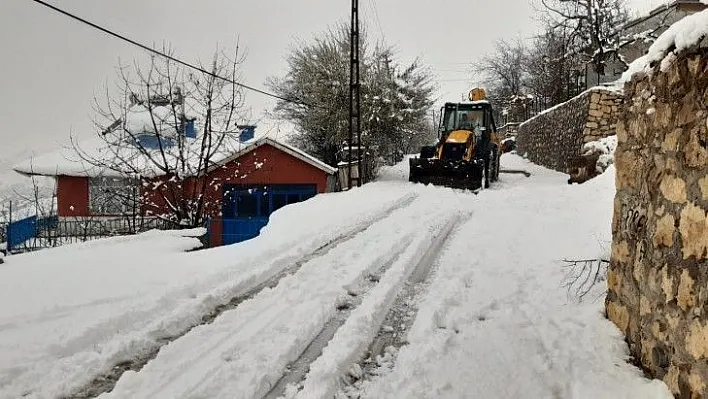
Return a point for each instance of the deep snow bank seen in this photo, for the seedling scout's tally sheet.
(71, 313)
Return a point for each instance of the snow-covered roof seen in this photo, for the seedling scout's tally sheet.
(685, 33)
(164, 119)
(661, 9)
(65, 162)
(286, 148)
(69, 161)
(99, 157)
(478, 102)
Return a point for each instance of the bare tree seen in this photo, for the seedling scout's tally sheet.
(504, 77)
(549, 67)
(166, 127)
(503, 69)
(594, 26)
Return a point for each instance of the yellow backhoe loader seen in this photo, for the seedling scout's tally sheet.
(467, 153)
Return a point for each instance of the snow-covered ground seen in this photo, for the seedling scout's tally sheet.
(494, 318)
(71, 313)
(497, 320)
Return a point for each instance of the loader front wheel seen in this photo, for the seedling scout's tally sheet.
(494, 168)
(485, 172)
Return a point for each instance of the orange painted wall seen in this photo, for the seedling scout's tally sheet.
(72, 196)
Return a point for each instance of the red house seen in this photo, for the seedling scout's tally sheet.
(244, 187)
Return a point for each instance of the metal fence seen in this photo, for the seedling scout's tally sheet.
(34, 233)
(3, 237)
(519, 108)
(101, 227)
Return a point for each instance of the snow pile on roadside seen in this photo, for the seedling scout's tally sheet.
(605, 148)
(108, 301)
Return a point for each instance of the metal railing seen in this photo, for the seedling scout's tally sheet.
(33, 234)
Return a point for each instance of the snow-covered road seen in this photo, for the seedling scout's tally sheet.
(497, 321)
(298, 312)
(246, 350)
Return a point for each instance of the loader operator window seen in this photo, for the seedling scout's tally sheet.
(465, 120)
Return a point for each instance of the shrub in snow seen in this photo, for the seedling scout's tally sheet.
(508, 144)
(595, 157)
(605, 151)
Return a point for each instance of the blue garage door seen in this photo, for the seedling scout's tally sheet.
(246, 209)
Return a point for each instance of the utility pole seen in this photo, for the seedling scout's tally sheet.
(354, 96)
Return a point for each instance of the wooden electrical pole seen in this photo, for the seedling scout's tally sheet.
(354, 96)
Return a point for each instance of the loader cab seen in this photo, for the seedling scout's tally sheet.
(476, 117)
(473, 121)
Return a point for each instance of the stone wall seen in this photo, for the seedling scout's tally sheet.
(557, 135)
(658, 278)
(511, 129)
(604, 113)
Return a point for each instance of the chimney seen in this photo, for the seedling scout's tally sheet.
(247, 132)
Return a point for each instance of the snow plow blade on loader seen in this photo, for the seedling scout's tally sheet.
(453, 174)
(467, 153)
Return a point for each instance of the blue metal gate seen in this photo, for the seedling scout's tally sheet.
(22, 230)
(247, 209)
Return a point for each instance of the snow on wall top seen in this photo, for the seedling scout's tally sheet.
(610, 89)
(683, 34)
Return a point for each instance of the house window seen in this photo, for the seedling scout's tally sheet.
(112, 196)
(261, 201)
(247, 206)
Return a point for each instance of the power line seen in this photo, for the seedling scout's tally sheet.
(144, 47)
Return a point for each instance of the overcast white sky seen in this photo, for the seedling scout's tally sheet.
(51, 66)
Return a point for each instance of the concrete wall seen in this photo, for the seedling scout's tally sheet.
(658, 278)
(556, 136)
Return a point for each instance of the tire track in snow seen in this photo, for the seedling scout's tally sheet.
(297, 370)
(393, 330)
(106, 382)
(418, 267)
